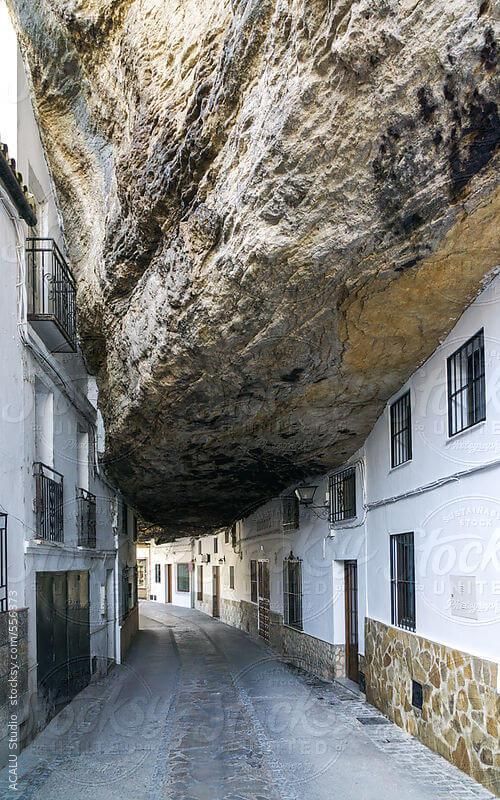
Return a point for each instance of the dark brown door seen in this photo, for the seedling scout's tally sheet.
(215, 592)
(169, 583)
(351, 619)
(263, 595)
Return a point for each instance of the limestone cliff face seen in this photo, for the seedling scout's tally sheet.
(275, 209)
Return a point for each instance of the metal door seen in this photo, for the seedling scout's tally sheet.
(215, 591)
(351, 619)
(263, 599)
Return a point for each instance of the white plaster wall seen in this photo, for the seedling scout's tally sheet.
(456, 525)
(172, 553)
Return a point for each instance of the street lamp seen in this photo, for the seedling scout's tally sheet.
(305, 494)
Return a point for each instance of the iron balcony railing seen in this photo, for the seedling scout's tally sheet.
(87, 506)
(51, 287)
(49, 503)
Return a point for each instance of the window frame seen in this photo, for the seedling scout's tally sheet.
(403, 598)
(231, 576)
(254, 581)
(338, 512)
(290, 512)
(199, 547)
(396, 415)
(199, 584)
(216, 545)
(469, 388)
(157, 573)
(178, 577)
(292, 600)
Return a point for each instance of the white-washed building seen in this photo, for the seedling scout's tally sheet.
(390, 577)
(67, 541)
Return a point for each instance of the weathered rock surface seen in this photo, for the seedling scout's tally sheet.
(275, 209)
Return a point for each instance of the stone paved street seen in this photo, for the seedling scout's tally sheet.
(201, 711)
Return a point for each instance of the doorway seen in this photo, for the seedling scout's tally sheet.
(263, 599)
(351, 620)
(215, 591)
(168, 583)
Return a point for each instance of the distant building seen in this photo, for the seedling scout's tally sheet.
(67, 541)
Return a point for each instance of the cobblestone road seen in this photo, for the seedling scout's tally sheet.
(201, 711)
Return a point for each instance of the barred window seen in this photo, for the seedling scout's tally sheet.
(3, 563)
(253, 581)
(290, 512)
(231, 577)
(403, 581)
(182, 577)
(401, 431)
(292, 592)
(466, 385)
(157, 573)
(199, 594)
(343, 495)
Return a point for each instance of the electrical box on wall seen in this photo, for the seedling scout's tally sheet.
(463, 596)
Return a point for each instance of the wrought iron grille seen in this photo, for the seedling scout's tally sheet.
(290, 512)
(87, 507)
(253, 581)
(403, 581)
(4, 604)
(343, 495)
(401, 430)
(49, 503)
(466, 385)
(51, 286)
(125, 593)
(292, 592)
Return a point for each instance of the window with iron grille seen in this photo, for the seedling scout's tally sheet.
(466, 385)
(403, 581)
(3, 563)
(157, 573)
(199, 586)
(124, 593)
(290, 512)
(292, 592)
(231, 577)
(343, 495)
(216, 545)
(401, 430)
(182, 577)
(253, 581)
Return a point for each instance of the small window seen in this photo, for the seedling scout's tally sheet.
(290, 512)
(157, 573)
(401, 431)
(216, 545)
(226, 536)
(403, 581)
(292, 591)
(231, 577)
(253, 581)
(417, 695)
(124, 519)
(199, 547)
(183, 577)
(466, 385)
(343, 495)
(199, 593)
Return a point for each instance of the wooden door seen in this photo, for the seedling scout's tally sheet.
(169, 583)
(263, 599)
(215, 591)
(351, 619)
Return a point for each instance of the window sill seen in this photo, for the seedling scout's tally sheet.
(403, 464)
(475, 427)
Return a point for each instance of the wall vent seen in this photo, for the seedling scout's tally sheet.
(417, 695)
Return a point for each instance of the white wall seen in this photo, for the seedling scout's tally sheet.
(173, 554)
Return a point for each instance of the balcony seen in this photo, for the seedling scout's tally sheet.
(49, 503)
(51, 295)
(87, 505)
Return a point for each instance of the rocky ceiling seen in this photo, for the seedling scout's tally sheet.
(275, 210)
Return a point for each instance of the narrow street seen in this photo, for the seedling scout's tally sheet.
(201, 711)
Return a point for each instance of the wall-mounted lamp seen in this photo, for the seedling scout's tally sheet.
(305, 494)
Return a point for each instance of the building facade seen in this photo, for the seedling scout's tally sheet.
(67, 541)
(390, 576)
